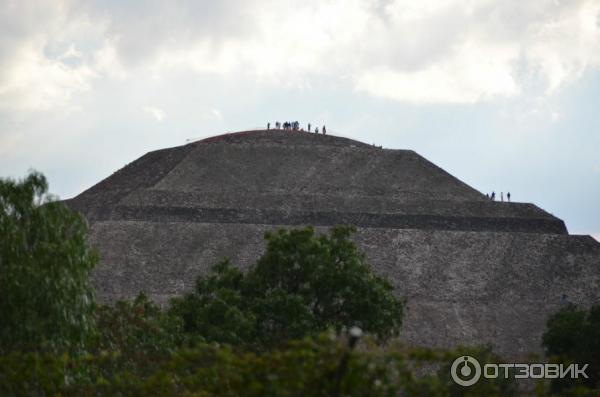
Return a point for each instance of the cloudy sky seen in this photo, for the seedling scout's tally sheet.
(503, 94)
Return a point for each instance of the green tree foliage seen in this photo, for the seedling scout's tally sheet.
(215, 310)
(483, 354)
(46, 298)
(138, 331)
(309, 367)
(573, 336)
(301, 285)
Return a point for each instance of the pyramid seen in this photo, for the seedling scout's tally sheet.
(472, 270)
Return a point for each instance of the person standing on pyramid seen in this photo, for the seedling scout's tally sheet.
(308, 127)
(268, 126)
(324, 130)
(508, 196)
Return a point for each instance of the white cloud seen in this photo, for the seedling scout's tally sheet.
(106, 62)
(34, 82)
(450, 51)
(70, 54)
(472, 74)
(44, 51)
(155, 112)
(481, 50)
(565, 45)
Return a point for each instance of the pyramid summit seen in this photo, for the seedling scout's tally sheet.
(472, 270)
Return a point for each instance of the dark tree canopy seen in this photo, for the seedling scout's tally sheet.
(139, 330)
(215, 310)
(573, 336)
(46, 296)
(303, 283)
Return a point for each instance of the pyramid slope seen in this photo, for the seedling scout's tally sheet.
(294, 178)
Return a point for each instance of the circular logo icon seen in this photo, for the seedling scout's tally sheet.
(465, 371)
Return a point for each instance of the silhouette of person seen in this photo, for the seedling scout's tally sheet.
(486, 195)
(324, 130)
(268, 126)
(501, 196)
(316, 130)
(493, 196)
(308, 127)
(508, 197)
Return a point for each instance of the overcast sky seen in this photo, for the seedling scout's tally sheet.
(503, 94)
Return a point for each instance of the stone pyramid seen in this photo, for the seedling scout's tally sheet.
(473, 271)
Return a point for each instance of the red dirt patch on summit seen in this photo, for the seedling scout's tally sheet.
(230, 135)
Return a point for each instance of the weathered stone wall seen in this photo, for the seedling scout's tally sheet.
(145, 172)
(338, 202)
(461, 287)
(314, 167)
(330, 218)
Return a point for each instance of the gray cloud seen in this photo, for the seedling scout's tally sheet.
(455, 43)
(139, 30)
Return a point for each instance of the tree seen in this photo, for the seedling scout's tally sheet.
(301, 285)
(321, 366)
(46, 297)
(573, 336)
(138, 332)
(215, 310)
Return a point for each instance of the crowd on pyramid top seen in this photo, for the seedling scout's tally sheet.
(294, 126)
